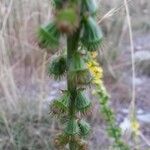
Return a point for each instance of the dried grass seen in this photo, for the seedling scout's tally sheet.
(22, 62)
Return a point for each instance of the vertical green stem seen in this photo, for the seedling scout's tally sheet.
(72, 46)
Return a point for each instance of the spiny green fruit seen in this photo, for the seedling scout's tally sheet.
(91, 36)
(48, 36)
(83, 78)
(57, 108)
(81, 102)
(77, 63)
(58, 67)
(72, 127)
(84, 128)
(79, 70)
(90, 6)
(61, 140)
(67, 20)
(60, 106)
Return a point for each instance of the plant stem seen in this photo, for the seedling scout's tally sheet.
(72, 46)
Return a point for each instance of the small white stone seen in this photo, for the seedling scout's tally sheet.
(125, 126)
(53, 93)
(144, 118)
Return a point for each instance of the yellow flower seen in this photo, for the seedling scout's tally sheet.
(94, 54)
(97, 72)
(97, 81)
(95, 63)
(92, 63)
(135, 126)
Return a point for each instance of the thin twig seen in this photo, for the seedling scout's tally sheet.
(132, 58)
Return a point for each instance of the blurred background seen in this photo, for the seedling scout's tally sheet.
(26, 90)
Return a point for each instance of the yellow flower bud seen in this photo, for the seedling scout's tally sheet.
(135, 126)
